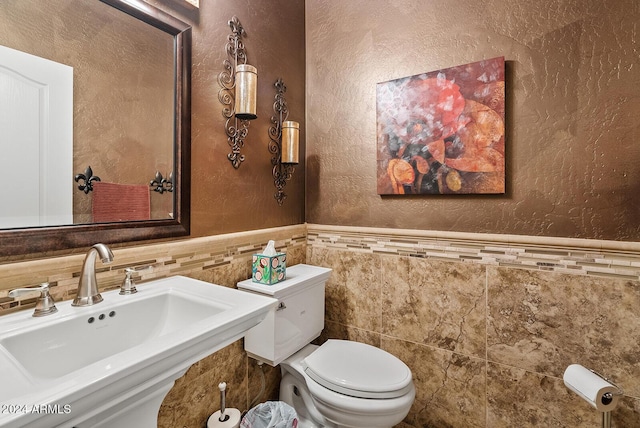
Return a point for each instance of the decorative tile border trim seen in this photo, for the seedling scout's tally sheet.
(573, 256)
(165, 259)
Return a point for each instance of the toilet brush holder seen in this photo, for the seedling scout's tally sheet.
(224, 418)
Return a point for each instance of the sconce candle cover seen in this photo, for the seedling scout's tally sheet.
(290, 141)
(246, 90)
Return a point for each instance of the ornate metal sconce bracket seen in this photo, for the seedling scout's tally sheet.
(236, 130)
(281, 172)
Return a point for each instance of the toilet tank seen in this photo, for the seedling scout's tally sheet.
(297, 319)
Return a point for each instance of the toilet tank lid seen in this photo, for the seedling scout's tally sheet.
(298, 278)
(358, 369)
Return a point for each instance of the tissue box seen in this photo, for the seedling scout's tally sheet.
(269, 269)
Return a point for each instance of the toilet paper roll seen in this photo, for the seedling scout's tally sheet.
(233, 420)
(591, 387)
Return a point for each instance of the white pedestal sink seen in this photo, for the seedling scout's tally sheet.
(111, 364)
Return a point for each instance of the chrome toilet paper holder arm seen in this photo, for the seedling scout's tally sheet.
(607, 398)
(608, 395)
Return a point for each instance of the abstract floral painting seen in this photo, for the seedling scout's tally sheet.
(442, 132)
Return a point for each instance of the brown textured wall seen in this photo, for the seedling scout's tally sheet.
(224, 199)
(572, 95)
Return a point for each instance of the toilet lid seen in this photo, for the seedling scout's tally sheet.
(358, 370)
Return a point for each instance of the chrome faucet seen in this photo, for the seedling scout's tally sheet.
(88, 286)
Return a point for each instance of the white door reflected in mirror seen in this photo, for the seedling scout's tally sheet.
(36, 129)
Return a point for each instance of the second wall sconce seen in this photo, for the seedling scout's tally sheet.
(238, 92)
(284, 142)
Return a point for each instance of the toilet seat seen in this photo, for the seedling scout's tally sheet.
(358, 370)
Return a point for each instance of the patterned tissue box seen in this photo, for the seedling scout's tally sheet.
(269, 269)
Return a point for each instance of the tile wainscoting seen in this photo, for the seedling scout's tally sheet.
(487, 323)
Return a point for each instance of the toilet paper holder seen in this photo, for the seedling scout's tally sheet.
(593, 387)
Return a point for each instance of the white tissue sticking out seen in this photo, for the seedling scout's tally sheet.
(591, 387)
(270, 250)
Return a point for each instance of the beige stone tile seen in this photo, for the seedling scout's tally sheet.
(353, 292)
(518, 398)
(196, 395)
(297, 255)
(257, 375)
(334, 330)
(230, 274)
(403, 425)
(450, 387)
(436, 303)
(542, 322)
(166, 415)
(627, 414)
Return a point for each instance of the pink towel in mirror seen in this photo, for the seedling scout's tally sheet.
(120, 202)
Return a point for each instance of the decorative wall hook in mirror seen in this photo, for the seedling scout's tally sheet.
(238, 88)
(284, 142)
(87, 180)
(160, 184)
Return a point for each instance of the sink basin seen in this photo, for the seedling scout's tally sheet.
(116, 350)
(57, 349)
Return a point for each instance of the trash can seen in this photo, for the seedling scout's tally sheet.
(271, 414)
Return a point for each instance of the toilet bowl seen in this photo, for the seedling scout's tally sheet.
(347, 384)
(338, 384)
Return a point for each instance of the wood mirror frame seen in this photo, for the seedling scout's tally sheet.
(43, 239)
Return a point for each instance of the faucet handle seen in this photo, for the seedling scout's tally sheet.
(44, 305)
(128, 287)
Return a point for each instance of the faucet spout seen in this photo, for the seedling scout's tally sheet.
(88, 293)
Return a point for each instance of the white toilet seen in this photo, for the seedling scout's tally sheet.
(339, 384)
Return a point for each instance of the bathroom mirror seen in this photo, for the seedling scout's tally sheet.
(114, 145)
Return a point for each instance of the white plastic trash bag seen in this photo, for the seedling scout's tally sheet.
(272, 414)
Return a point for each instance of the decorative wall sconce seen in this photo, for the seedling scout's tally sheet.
(284, 142)
(238, 92)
